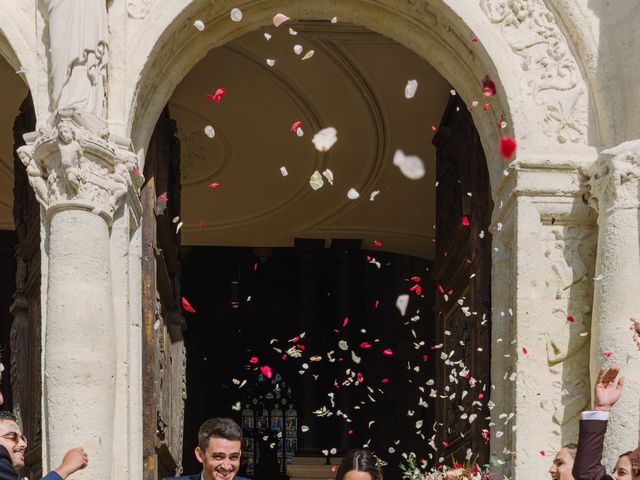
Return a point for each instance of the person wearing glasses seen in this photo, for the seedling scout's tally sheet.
(13, 445)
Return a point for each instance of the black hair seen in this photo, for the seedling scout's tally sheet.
(572, 447)
(360, 461)
(7, 415)
(218, 428)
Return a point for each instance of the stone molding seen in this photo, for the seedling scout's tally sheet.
(71, 164)
(613, 178)
(553, 76)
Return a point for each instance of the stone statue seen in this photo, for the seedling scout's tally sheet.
(71, 157)
(121, 180)
(78, 43)
(36, 178)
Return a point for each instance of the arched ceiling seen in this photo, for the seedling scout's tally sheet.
(354, 82)
(14, 92)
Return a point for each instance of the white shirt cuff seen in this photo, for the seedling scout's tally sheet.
(594, 415)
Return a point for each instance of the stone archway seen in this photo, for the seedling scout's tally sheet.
(539, 209)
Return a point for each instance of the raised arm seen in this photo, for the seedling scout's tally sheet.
(593, 426)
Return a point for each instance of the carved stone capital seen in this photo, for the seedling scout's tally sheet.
(613, 178)
(71, 163)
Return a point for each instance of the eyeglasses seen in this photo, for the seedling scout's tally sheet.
(14, 437)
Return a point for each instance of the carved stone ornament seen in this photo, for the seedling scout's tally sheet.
(139, 9)
(70, 165)
(613, 178)
(552, 73)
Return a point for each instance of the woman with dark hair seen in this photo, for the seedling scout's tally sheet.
(359, 465)
(563, 463)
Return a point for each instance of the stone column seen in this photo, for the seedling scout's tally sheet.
(616, 197)
(81, 179)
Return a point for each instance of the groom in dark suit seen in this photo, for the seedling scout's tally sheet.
(219, 450)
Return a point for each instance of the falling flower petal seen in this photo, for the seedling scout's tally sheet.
(178, 227)
(271, 62)
(214, 185)
(410, 89)
(266, 371)
(209, 131)
(377, 243)
(488, 87)
(608, 354)
(352, 194)
(236, 14)
(325, 139)
(328, 174)
(334, 20)
(199, 24)
(474, 40)
(253, 360)
(304, 428)
(525, 351)
(295, 126)
(507, 146)
(163, 198)
(308, 55)
(279, 19)
(465, 221)
(316, 180)
(411, 166)
(187, 306)
(297, 49)
(402, 302)
(201, 224)
(502, 124)
(365, 345)
(292, 31)
(570, 318)
(283, 171)
(267, 36)
(373, 195)
(387, 351)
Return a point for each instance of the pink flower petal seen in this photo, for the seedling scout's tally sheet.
(488, 87)
(295, 126)
(253, 360)
(266, 371)
(365, 345)
(220, 92)
(163, 198)
(387, 351)
(279, 19)
(214, 185)
(187, 306)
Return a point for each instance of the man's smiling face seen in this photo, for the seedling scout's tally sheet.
(12, 439)
(221, 459)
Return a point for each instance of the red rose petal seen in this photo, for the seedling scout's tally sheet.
(360, 377)
(377, 243)
(465, 221)
(474, 40)
(608, 354)
(385, 380)
(266, 371)
(488, 87)
(221, 92)
(365, 345)
(214, 185)
(163, 198)
(187, 306)
(201, 224)
(295, 126)
(253, 360)
(507, 146)
(345, 321)
(387, 351)
(542, 452)
(416, 279)
(570, 318)
(525, 351)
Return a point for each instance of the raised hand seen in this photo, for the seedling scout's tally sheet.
(635, 327)
(607, 391)
(74, 460)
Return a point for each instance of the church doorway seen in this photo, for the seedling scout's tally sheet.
(359, 310)
(20, 316)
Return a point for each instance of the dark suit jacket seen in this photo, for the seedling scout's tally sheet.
(587, 465)
(7, 472)
(189, 477)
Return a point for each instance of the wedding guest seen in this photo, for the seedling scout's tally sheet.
(13, 445)
(218, 450)
(359, 465)
(593, 426)
(563, 463)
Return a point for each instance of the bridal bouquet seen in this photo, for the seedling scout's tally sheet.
(412, 471)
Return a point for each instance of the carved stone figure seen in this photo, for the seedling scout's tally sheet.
(71, 156)
(36, 177)
(78, 42)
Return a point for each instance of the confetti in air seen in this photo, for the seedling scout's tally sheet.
(411, 166)
(325, 139)
(410, 89)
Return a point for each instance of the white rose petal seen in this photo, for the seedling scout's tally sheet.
(373, 195)
(352, 194)
(316, 180)
(325, 139)
(304, 428)
(267, 36)
(452, 92)
(199, 24)
(271, 62)
(209, 131)
(236, 14)
(402, 302)
(283, 171)
(292, 31)
(410, 89)
(334, 20)
(279, 19)
(299, 132)
(343, 345)
(297, 49)
(308, 55)
(411, 166)
(328, 174)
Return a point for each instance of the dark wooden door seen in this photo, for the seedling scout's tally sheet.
(463, 296)
(25, 374)
(164, 360)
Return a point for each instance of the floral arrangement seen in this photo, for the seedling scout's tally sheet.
(470, 471)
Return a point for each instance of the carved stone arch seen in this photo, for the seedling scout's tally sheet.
(541, 91)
